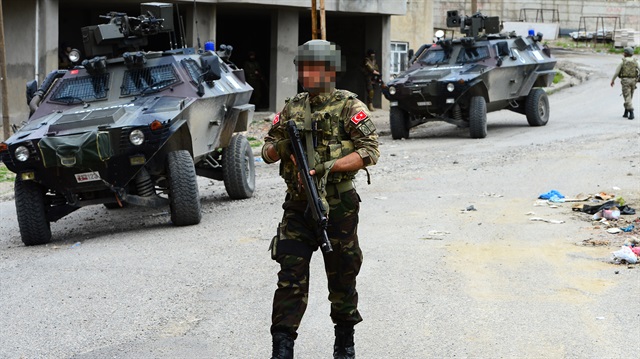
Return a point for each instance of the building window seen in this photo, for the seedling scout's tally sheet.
(399, 59)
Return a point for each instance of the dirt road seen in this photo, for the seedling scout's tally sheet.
(454, 265)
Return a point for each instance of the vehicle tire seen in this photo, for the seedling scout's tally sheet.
(238, 168)
(537, 108)
(478, 117)
(399, 123)
(184, 198)
(31, 209)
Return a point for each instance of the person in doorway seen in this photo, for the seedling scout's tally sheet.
(371, 76)
(253, 72)
(628, 71)
(344, 143)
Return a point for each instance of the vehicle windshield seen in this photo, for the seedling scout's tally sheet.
(81, 89)
(433, 57)
(148, 80)
(472, 54)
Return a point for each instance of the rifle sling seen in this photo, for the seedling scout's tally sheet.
(308, 135)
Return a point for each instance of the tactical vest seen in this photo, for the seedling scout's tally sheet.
(331, 140)
(629, 69)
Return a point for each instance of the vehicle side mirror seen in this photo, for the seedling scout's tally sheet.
(503, 48)
(210, 65)
(32, 87)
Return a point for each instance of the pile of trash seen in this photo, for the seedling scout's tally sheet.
(611, 213)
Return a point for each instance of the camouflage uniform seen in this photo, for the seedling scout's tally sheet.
(628, 73)
(369, 67)
(253, 73)
(343, 127)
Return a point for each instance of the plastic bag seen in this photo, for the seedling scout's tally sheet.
(625, 254)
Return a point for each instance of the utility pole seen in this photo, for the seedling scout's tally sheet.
(316, 33)
(314, 21)
(3, 79)
(323, 28)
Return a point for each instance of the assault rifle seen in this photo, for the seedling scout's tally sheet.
(313, 199)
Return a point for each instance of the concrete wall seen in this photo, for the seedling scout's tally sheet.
(416, 27)
(569, 11)
(284, 46)
(388, 7)
(23, 62)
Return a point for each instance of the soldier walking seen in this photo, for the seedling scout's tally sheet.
(628, 72)
(340, 139)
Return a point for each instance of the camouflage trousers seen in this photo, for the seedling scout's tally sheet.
(628, 87)
(292, 249)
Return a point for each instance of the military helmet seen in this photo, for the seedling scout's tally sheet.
(628, 50)
(320, 50)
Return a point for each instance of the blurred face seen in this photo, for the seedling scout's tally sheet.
(316, 77)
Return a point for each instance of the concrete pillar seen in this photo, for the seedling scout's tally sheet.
(200, 25)
(284, 45)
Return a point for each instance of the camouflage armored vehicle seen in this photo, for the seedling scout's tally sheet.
(459, 80)
(135, 129)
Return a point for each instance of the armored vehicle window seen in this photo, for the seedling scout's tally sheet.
(194, 70)
(433, 57)
(473, 54)
(81, 89)
(148, 79)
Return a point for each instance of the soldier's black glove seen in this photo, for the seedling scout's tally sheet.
(283, 148)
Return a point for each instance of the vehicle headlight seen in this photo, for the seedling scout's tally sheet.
(21, 153)
(392, 90)
(450, 87)
(136, 137)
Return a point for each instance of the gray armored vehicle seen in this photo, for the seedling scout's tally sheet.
(136, 128)
(459, 80)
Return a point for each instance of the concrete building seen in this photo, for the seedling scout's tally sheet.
(570, 14)
(35, 29)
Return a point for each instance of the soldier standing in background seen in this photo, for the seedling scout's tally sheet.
(344, 141)
(253, 72)
(371, 75)
(628, 72)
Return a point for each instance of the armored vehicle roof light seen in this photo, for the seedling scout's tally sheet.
(322, 51)
(74, 55)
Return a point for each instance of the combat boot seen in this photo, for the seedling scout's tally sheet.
(631, 117)
(282, 346)
(343, 348)
(370, 106)
(626, 113)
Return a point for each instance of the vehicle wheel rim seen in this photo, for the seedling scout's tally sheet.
(542, 110)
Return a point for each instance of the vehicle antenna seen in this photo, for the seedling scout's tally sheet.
(195, 14)
(180, 26)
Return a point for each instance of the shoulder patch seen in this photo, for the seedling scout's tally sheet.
(359, 117)
(276, 119)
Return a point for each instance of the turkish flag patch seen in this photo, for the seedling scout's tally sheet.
(358, 117)
(276, 119)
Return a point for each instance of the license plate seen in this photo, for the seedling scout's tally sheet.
(87, 177)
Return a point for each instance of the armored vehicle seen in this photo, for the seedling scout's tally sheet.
(135, 128)
(459, 80)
